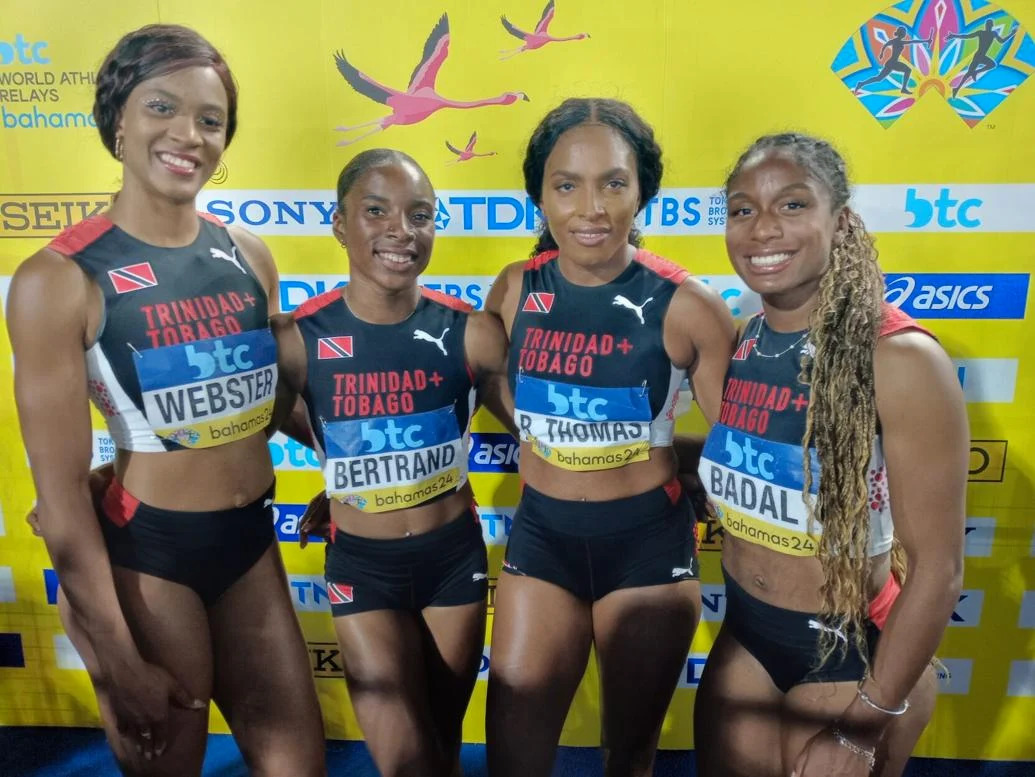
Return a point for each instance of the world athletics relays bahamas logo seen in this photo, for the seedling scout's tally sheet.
(971, 52)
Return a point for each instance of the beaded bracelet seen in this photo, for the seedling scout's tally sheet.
(866, 699)
(868, 754)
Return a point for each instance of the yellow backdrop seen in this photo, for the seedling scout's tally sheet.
(945, 174)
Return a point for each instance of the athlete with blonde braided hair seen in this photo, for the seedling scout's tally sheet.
(821, 666)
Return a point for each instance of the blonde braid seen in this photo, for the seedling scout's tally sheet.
(841, 423)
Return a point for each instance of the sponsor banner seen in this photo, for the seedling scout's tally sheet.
(45, 215)
(496, 523)
(987, 461)
(309, 593)
(987, 380)
(1022, 679)
(979, 536)
(987, 207)
(958, 295)
(713, 602)
(1027, 617)
(7, 593)
(65, 654)
(968, 610)
(954, 676)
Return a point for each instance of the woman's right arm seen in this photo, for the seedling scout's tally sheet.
(47, 316)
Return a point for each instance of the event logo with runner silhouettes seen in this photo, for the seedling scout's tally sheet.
(971, 52)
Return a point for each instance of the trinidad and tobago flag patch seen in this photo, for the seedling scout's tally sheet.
(538, 302)
(338, 593)
(133, 277)
(334, 347)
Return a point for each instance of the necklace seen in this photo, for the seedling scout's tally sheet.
(788, 349)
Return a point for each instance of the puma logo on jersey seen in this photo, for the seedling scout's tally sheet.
(682, 572)
(218, 253)
(624, 302)
(420, 334)
(478, 576)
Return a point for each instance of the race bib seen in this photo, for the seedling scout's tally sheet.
(389, 463)
(209, 392)
(583, 428)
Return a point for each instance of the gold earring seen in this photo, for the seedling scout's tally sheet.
(118, 147)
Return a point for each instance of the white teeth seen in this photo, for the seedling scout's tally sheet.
(176, 161)
(768, 261)
(397, 258)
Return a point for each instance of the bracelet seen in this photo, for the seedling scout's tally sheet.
(865, 697)
(868, 754)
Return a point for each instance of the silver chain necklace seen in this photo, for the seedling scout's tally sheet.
(788, 349)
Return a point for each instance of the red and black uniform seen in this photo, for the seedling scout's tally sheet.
(390, 408)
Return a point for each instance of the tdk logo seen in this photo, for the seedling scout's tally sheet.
(958, 295)
(394, 436)
(743, 455)
(23, 52)
(442, 217)
(948, 212)
(575, 405)
(226, 360)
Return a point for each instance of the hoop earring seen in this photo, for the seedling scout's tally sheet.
(118, 147)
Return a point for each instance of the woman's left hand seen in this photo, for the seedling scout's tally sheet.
(824, 756)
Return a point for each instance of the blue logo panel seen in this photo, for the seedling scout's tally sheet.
(958, 295)
(582, 403)
(346, 439)
(774, 462)
(179, 365)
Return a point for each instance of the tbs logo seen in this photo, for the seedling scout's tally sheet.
(947, 211)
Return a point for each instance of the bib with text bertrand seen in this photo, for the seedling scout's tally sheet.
(583, 428)
(209, 392)
(390, 463)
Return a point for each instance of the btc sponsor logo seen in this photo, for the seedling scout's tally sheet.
(496, 523)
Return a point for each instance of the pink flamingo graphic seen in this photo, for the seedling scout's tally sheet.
(468, 152)
(420, 99)
(537, 39)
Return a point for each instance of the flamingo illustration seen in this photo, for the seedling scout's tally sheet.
(468, 152)
(420, 99)
(537, 39)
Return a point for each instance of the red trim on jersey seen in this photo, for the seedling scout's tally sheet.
(446, 299)
(674, 489)
(75, 238)
(539, 260)
(118, 504)
(316, 303)
(668, 270)
(882, 603)
(896, 321)
(213, 218)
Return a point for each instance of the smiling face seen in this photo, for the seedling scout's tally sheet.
(591, 195)
(173, 130)
(388, 226)
(779, 230)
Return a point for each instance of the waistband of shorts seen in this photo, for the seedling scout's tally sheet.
(463, 524)
(583, 518)
(121, 507)
(778, 623)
